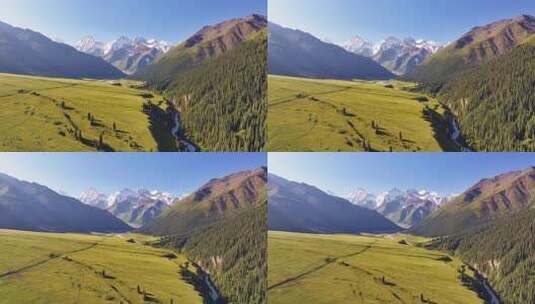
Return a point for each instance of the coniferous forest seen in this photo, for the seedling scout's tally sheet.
(234, 252)
(223, 102)
(495, 102)
(504, 252)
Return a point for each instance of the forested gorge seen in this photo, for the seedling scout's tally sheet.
(233, 251)
(223, 102)
(504, 252)
(495, 102)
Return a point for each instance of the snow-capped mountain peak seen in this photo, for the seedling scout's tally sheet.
(129, 55)
(90, 45)
(94, 198)
(361, 46)
(398, 55)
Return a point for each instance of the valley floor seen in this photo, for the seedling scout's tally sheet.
(72, 268)
(42, 114)
(333, 115)
(305, 268)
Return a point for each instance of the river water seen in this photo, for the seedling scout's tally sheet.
(189, 146)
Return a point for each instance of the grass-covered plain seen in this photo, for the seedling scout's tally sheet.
(42, 114)
(333, 115)
(72, 268)
(305, 268)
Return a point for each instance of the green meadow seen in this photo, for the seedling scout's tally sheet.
(305, 268)
(53, 114)
(73, 268)
(334, 115)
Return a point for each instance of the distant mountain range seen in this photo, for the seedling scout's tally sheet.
(298, 207)
(137, 208)
(128, 55)
(400, 56)
(218, 199)
(23, 51)
(30, 206)
(296, 53)
(405, 208)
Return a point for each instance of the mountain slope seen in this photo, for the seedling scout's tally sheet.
(217, 81)
(209, 42)
(216, 200)
(479, 45)
(27, 52)
(483, 203)
(295, 53)
(504, 252)
(223, 103)
(295, 207)
(495, 102)
(234, 252)
(29, 206)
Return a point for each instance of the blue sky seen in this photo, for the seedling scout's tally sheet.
(438, 20)
(171, 20)
(177, 173)
(445, 173)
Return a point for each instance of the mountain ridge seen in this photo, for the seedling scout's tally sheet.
(24, 51)
(300, 54)
(483, 203)
(216, 200)
(34, 207)
(127, 54)
(298, 207)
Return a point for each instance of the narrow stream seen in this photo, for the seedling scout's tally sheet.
(456, 135)
(493, 297)
(176, 131)
(214, 294)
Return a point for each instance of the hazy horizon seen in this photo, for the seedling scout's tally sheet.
(444, 173)
(441, 21)
(69, 21)
(75, 173)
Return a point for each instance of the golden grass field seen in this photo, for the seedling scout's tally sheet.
(306, 268)
(75, 268)
(334, 115)
(39, 114)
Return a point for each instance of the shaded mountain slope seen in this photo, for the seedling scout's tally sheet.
(29, 206)
(296, 207)
(23, 51)
(296, 53)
